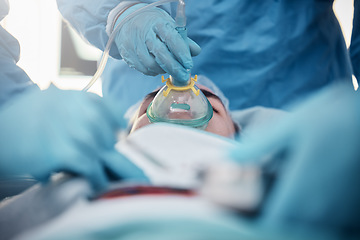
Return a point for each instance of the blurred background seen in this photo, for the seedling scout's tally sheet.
(51, 52)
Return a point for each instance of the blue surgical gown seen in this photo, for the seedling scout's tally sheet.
(259, 53)
(13, 80)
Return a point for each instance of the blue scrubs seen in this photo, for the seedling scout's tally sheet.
(266, 53)
(13, 80)
(355, 40)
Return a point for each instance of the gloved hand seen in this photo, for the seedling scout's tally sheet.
(56, 130)
(316, 180)
(150, 43)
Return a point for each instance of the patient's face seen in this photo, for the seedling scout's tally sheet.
(221, 122)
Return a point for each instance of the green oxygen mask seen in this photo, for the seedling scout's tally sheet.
(184, 105)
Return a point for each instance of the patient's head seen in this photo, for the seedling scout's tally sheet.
(221, 122)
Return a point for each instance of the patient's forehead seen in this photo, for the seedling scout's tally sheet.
(204, 87)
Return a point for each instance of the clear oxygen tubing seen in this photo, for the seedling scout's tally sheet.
(180, 22)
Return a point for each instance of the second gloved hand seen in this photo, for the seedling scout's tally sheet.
(314, 160)
(150, 43)
(56, 130)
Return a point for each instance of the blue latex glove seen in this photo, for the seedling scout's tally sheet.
(56, 130)
(150, 43)
(317, 180)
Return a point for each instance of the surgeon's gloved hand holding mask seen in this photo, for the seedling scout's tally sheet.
(150, 43)
(57, 130)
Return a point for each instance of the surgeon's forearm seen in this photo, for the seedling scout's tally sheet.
(89, 18)
(13, 80)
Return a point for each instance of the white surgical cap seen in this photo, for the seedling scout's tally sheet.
(201, 79)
